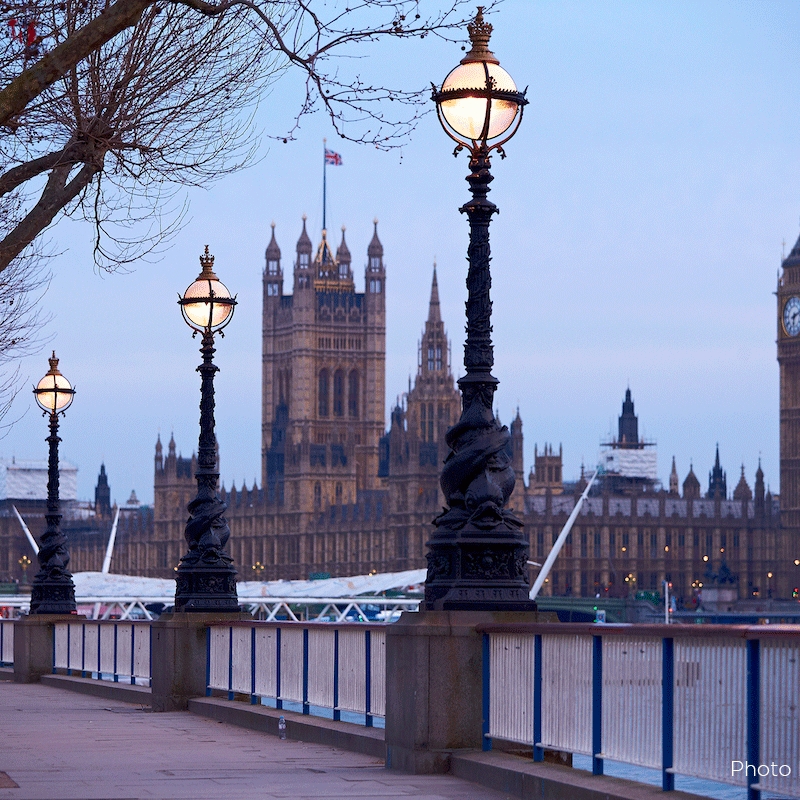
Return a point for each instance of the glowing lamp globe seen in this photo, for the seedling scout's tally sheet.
(54, 392)
(207, 304)
(479, 103)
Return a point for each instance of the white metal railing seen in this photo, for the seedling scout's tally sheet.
(6, 641)
(328, 666)
(106, 650)
(632, 700)
(710, 691)
(683, 700)
(567, 693)
(780, 698)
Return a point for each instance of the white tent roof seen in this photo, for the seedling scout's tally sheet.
(98, 584)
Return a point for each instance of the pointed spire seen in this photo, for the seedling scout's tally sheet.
(434, 314)
(304, 242)
(673, 479)
(159, 448)
(343, 251)
(171, 449)
(742, 490)
(691, 486)
(273, 252)
(375, 248)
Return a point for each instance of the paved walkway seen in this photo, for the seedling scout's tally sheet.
(57, 745)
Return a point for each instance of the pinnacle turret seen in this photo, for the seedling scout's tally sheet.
(691, 486)
(304, 242)
(343, 251)
(273, 252)
(375, 249)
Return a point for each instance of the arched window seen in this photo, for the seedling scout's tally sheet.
(272, 266)
(317, 495)
(423, 423)
(430, 359)
(338, 393)
(438, 358)
(352, 394)
(342, 270)
(323, 393)
(430, 422)
(338, 494)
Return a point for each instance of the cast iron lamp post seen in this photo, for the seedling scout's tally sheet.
(53, 591)
(477, 557)
(205, 579)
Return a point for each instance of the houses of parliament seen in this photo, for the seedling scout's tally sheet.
(341, 495)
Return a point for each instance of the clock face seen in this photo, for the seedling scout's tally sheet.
(791, 316)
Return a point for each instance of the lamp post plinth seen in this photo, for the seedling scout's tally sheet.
(478, 554)
(205, 579)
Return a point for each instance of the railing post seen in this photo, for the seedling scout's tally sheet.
(208, 662)
(116, 668)
(368, 678)
(337, 715)
(133, 655)
(83, 650)
(230, 662)
(597, 704)
(305, 671)
(54, 649)
(753, 711)
(99, 650)
(69, 647)
(538, 751)
(667, 712)
(278, 701)
(486, 741)
(253, 698)
(150, 659)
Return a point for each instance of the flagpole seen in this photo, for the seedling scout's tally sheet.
(324, 183)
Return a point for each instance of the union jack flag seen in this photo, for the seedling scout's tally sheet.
(334, 159)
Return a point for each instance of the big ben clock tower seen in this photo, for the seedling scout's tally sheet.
(789, 360)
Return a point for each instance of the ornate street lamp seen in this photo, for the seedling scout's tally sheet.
(205, 577)
(53, 591)
(478, 555)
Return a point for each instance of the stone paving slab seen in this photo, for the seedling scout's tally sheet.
(62, 746)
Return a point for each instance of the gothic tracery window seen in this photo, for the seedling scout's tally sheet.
(323, 393)
(352, 394)
(338, 393)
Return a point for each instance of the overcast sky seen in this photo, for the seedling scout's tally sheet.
(643, 204)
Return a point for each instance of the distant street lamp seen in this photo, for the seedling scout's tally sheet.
(53, 591)
(205, 578)
(477, 557)
(24, 562)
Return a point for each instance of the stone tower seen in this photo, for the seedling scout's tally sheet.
(102, 494)
(789, 360)
(415, 444)
(323, 375)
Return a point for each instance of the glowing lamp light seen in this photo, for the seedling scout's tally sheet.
(207, 305)
(479, 104)
(54, 392)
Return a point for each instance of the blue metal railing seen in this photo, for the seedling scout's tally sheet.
(710, 682)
